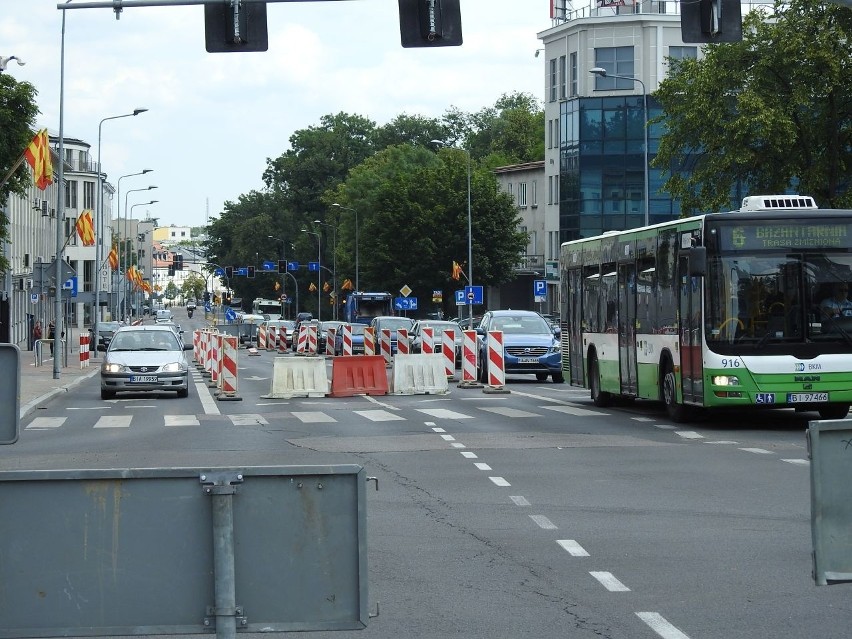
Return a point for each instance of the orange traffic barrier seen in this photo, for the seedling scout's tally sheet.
(358, 376)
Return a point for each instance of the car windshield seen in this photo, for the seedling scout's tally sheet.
(394, 323)
(438, 328)
(526, 324)
(108, 326)
(145, 341)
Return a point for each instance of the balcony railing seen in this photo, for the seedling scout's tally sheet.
(531, 263)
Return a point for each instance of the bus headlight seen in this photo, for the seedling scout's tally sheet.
(725, 380)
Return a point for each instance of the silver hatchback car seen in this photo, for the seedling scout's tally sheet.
(145, 358)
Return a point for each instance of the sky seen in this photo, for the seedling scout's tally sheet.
(214, 119)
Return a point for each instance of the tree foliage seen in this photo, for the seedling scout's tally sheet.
(770, 113)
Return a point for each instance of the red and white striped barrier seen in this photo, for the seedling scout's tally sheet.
(282, 340)
(228, 377)
(448, 347)
(302, 340)
(330, 336)
(84, 351)
(271, 338)
(428, 341)
(468, 379)
(313, 339)
(215, 359)
(385, 345)
(346, 339)
(369, 341)
(496, 368)
(403, 342)
(261, 337)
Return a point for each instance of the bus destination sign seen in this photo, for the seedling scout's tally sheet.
(785, 235)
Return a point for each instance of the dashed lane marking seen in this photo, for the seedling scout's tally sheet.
(658, 624)
(609, 581)
(572, 547)
(543, 522)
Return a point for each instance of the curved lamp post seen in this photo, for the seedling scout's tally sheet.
(126, 236)
(133, 206)
(122, 249)
(357, 269)
(319, 271)
(333, 260)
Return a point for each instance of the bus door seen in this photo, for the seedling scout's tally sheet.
(627, 327)
(691, 368)
(576, 356)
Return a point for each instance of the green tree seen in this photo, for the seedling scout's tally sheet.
(193, 287)
(18, 111)
(770, 113)
(171, 291)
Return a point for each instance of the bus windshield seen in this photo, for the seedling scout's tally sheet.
(763, 300)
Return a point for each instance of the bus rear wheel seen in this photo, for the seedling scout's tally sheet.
(834, 411)
(599, 398)
(677, 412)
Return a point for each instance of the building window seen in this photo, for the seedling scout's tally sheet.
(510, 189)
(550, 189)
(617, 61)
(683, 53)
(553, 80)
(562, 78)
(88, 195)
(574, 74)
(71, 231)
(71, 194)
(522, 193)
(550, 134)
(534, 194)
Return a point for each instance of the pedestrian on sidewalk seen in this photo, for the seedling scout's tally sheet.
(36, 332)
(51, 334)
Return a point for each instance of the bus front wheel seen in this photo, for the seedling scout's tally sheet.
(599, 398)
(834, 411)
(676, 412)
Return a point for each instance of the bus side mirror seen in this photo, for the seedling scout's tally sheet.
(698, 261)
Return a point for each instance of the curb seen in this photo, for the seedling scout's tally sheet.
(32, 405)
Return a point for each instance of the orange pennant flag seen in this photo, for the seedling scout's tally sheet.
(457, 270)
(312, 288)
(277, 285)
(38, 157)
(326, 287)
(113, 260)
(86, 228)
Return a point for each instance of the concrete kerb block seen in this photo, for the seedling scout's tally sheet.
(420, 374)
(298, 377)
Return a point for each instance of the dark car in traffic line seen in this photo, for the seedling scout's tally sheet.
(392, 323)
(105, 332)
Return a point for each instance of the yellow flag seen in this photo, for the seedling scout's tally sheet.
(38, 157)
(86, 228)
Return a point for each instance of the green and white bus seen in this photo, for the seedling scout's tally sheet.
(721, 310)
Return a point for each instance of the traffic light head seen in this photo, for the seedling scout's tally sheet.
(229, 272)
(282, 266)
(250, 271)
(430, 24)
(206, 296)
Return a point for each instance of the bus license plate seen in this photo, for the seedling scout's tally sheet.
(806, 398)
(764, 398)
(143, 379)
(528, 360)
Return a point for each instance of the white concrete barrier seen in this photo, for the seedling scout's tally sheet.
(420, 374)
(298, 377)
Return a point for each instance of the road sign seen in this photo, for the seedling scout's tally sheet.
(405, 303)
(313, 266)
(34, 298)
(405, 291)
(437, 296)
(292, 266)
(230, 314)
(208, 307)
(540, 290)
(70, 285)
(473, 295)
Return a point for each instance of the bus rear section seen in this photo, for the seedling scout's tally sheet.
(716, 311)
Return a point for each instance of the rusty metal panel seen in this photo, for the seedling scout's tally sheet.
(130, 552)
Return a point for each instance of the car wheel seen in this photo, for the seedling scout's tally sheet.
(183, 392)
(541, 376)
(558, 378)
(105, 394)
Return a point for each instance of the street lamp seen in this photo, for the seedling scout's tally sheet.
(319, 271)
(286, 272)
(601, 72)
(125, 237)
(5, 60)
(469, 236)
(333, 260)
(357, 269)
(133, 206)
(122, 249)
(99, 222)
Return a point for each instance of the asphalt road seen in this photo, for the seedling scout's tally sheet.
(530, 514)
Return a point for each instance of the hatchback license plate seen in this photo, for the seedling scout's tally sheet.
(143, 379)
(528, 360)
(806, 398)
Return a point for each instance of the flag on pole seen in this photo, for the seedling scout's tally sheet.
(347, 285)
(457, 270)
(312, 288)
(326, 287)
(277, 285)
(86, 228)
(113, 259)
(38, 157)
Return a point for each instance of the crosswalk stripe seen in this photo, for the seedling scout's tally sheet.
(114, 421)
(46, 422)
(508, 412)
(249, 419)
(573, 410)
(313, 417)
(444, 413)
(379, 415)
(180, 420)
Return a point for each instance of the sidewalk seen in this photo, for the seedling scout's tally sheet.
(37, 384)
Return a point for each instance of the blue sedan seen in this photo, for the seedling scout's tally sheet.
(530, 344)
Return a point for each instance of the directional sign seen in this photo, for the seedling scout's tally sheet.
(70, 285)
(208, 307)
(243, 270)
(292, 266)
(270, 266)
(230, 314)
(313, 266)
(405, 303)
(540, 290)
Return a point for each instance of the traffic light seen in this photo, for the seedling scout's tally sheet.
(178, 262)
(250, 271)
(430, 24)
(711, 21)
(229, 272)
(282, 266)
(241, 27)
(206, 296)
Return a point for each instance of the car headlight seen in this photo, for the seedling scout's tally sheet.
(108, 367)
(174, 367)
(725, 380)
(556, 347)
